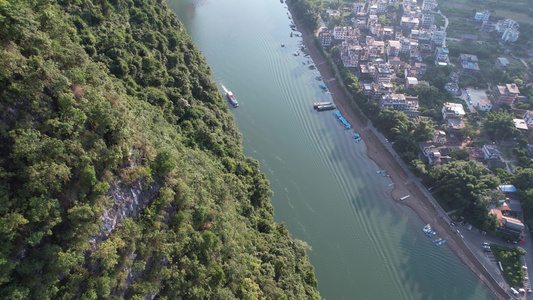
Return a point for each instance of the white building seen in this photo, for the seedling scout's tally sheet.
(482, 16)
(510, 35)
(429, 5)
(490, 151)
(452, 111)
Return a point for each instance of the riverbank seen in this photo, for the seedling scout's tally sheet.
(378, 150)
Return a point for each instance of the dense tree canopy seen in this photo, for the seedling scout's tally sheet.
(122, 173)
(461, 182)
(499, 125)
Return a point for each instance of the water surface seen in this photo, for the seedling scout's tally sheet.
(326, 190)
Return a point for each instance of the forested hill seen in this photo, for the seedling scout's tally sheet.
(121, 172)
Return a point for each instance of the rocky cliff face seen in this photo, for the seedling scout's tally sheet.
(126, 201)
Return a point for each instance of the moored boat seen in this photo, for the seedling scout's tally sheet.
(357, 137)
(330, 106)
(317, 104)
(232, 99)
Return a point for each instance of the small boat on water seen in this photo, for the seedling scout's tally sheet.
(232, 99)
(427, 227)
(330, 106)
(437, 240)
(357, 137)
(441, 242)
(317, 104)
(282, 45)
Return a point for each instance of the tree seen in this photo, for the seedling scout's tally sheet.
(524, 179)
(499, 125)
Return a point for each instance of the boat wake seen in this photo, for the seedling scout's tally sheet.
(225, 89)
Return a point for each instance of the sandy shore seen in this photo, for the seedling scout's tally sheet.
(403, 182)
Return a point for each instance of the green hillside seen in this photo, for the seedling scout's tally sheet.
(121, 172)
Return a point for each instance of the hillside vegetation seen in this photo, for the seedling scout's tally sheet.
(108, 97)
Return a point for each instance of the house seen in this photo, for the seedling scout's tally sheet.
(439, 36)
(482, 16)
(501, 63)
(503, 25)
(468, 65)
(427, 21)
(384, 74)
(520, 124)
(429, 5)
(420, 68)
(508, 225)
(396, 63)
(455, 125)
(510, 35)
(435, 155)
(399, 102)
(507, 188)
(393, 48)
(490, 151)
(475, 153)
(439, 137)
(358, 7)
(408, 23)
(441, 55)
(487, 26)
(426, 50)
(468, 38)
(452, 111)
(380, 89)
(453, 88)
(528, 118)
(484, 105)
(506, 94)
(325, 36)
(410, 82)
(367, 89)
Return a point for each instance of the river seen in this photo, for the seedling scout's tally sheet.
(326, 190)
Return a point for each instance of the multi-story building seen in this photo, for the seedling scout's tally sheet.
(452, 111)
(528, 117)
(441, 55)
(427, 21)
(490, 151)
(484, 105)
(439, 36)
(482, 16)
(510, 35)
(358, 7)
(384, 74)
(399, 102)
(325, 37)
(393, 48)
(382, 7)
(487, 26)
(376, 49)
(350, 54)
(468, 65)
(381, 89)
(408, 23)
(503, 25)
(405, 45)
(429, 5)
(506, 94)
(453, 88)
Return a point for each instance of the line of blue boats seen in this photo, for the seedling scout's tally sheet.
(430, 231)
